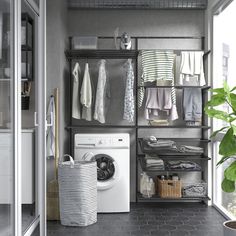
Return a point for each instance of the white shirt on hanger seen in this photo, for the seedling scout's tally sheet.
(75, 96)
(86, 95)
(101, 94)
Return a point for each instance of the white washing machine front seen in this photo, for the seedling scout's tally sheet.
(113, 165)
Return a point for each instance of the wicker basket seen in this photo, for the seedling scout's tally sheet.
(169, 188)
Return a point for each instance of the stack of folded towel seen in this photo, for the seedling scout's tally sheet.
(182, 165)
(154, 163)
(161, 146)
(191, 149)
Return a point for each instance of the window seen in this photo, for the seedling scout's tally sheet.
(224, 69)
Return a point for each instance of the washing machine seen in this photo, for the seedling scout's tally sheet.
(112, 153)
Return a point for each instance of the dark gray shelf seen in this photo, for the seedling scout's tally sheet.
(101, 53)
(184, 155)
(156, 198)
(174, 126)
(175, 86)
(185, 139)
(101, 126)
(145, 169)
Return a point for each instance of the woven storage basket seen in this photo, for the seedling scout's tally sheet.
(78, 192)
(169, 188)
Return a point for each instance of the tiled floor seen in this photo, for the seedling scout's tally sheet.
(151, 219)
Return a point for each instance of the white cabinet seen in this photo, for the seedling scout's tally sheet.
(28, 166)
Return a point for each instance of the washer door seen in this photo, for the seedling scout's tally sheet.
(107, 171)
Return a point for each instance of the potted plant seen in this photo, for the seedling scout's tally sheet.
(227, 148)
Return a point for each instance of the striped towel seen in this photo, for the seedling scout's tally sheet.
(157, 65)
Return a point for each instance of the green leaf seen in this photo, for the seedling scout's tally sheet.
(230, 172)
(228, 144)
(232, 119)
(218, 90)
(234, 129)
(228, 186)
(234, 88)
(233, 101)
(227, 91)
(221, 115)
(216, 100)
(223, 159)
(226, 87)
(217, 131)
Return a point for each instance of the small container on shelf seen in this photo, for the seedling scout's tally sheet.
(84, 42)
(167, 188)
(194, 189)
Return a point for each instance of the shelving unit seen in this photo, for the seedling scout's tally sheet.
(136, 127)
(156, 198)
(27, 48)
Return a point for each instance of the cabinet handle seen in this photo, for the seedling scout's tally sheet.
(35, 119)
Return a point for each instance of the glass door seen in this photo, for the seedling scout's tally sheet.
(29, 107)
(7, 198)
(22, 117)
(224, 60)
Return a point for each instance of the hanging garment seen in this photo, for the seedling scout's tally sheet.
(157, 66)
(129, 93)
(86, 95)
(191, 68)
(102, 94)
(192, 104)
(159, 99)
(51, 129)
(75, 96)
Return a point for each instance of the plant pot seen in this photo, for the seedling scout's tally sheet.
(230, 228)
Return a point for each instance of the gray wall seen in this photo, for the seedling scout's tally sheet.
(139, 23)
(57, 67)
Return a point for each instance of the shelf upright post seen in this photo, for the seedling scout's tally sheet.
(136, 116)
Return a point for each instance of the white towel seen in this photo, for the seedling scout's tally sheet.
(75, 96)
(51, 129)
(86, 95)
(192, 67)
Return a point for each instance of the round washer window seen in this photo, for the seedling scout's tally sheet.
(105, 167)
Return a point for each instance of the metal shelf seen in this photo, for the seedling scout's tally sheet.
(9, 79)
(184, 139)
(175, 86)
(156, 198)
(101, 126)
(174, 126)
(185, 156)
(145, 169)
(101, 54)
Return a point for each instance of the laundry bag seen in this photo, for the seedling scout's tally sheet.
(77, 192)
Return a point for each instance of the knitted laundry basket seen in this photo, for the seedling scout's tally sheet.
(78, 192)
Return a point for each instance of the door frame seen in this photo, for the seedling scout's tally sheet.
(42, 122)
(16, 118)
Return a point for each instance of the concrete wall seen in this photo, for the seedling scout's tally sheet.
(137, 23)
(57, 67)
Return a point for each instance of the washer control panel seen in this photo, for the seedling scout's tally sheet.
(99, 142)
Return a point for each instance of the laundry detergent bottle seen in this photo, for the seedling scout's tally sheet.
(143, 182)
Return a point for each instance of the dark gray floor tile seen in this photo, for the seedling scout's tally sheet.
(150, 219)
(160, 232)
(180, 233)
(167, 227)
